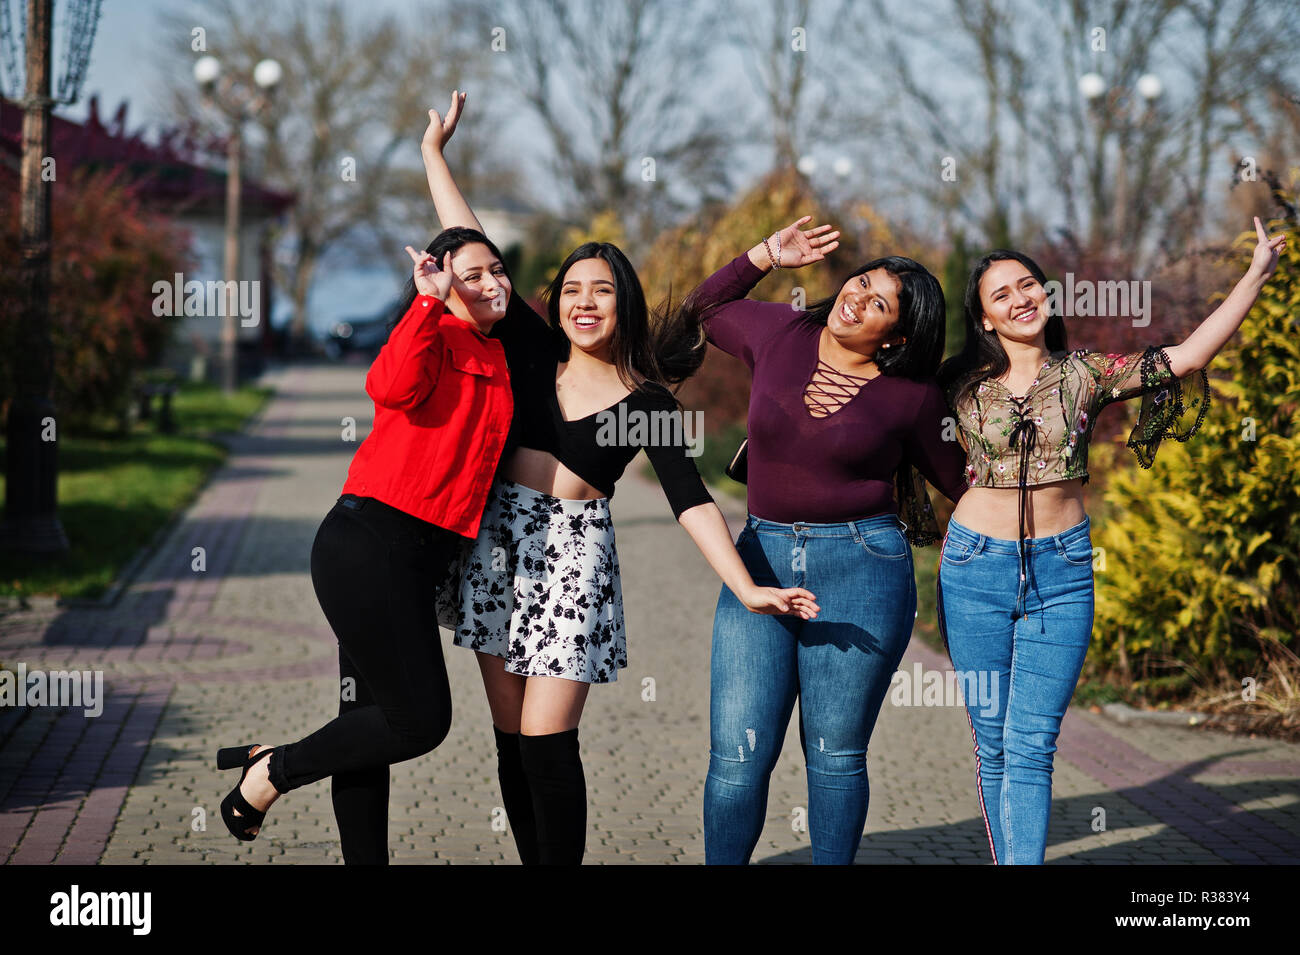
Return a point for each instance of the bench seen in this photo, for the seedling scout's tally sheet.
(146, 391)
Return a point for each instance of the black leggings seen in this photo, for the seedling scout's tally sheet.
(375, 570)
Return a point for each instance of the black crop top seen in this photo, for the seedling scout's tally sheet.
(599, 447)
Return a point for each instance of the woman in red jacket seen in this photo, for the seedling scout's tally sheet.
(415, 490)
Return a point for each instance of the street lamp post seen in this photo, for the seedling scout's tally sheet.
(1092, 86)
(237, 100)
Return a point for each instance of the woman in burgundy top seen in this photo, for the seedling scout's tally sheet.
(842, 410)
(416, 488)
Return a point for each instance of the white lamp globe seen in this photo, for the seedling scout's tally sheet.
(1091, 85)
(206, 70)
(1149, 86)
(267, 74)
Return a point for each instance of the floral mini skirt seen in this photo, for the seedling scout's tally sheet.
(539, 587)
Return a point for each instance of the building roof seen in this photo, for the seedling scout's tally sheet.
(167, 175)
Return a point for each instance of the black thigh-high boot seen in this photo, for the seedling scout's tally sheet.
(559, 792)
(516, 795)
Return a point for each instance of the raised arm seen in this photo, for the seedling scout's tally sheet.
(404, 373)
(522, 331)
(730, 320)
(790, 248)
(794, 247)
(450, 205)
(1204, 343)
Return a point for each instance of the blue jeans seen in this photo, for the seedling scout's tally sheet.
(1017, 674)
(838, 665)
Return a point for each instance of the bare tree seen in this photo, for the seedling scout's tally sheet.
(344, 126)
(950, 82)
(993, 87)
(790, 50)
(1246, 71)
(620, 89)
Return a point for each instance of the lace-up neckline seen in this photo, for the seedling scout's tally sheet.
(829, 389)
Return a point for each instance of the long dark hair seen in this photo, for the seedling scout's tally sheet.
(665, 353)
(921, 313)
(982, 356)
(448, 240)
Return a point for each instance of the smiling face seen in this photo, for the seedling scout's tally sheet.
(1014, 302)
(480, 288)
(865, 311)
(589, 305)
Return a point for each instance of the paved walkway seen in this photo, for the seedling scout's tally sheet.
(241, 652)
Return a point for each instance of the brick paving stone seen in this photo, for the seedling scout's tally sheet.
(241, 653)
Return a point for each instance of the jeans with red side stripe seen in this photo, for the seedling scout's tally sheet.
(1018, 647)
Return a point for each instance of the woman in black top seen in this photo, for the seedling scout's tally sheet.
(539, 595)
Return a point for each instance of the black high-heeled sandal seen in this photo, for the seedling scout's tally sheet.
(233, 757)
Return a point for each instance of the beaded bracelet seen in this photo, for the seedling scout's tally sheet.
(774, 259)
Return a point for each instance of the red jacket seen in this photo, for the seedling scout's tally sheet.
(442, 410)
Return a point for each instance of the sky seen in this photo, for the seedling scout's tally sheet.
(124, 65)
(126, 32)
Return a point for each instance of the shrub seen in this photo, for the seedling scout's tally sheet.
(1202, 551)
(107, 251)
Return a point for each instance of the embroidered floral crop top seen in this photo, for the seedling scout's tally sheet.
(1042, 436)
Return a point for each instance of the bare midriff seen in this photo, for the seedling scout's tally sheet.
(995, 511)
(542, 471)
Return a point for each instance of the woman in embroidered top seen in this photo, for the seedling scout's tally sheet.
(538, 595)
(843, 410)
(1015, 588)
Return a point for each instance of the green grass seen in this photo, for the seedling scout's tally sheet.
(1099, 691)
(716, 453)
(926, 562)
(115, 491)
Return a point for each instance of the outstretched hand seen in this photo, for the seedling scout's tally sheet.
(1267, 249)
(429, 278)
(775, 600)
(439, 130)
(799, 247)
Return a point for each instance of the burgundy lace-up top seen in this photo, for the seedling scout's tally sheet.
(809, 465)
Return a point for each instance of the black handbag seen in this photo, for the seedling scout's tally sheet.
(738, 469)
